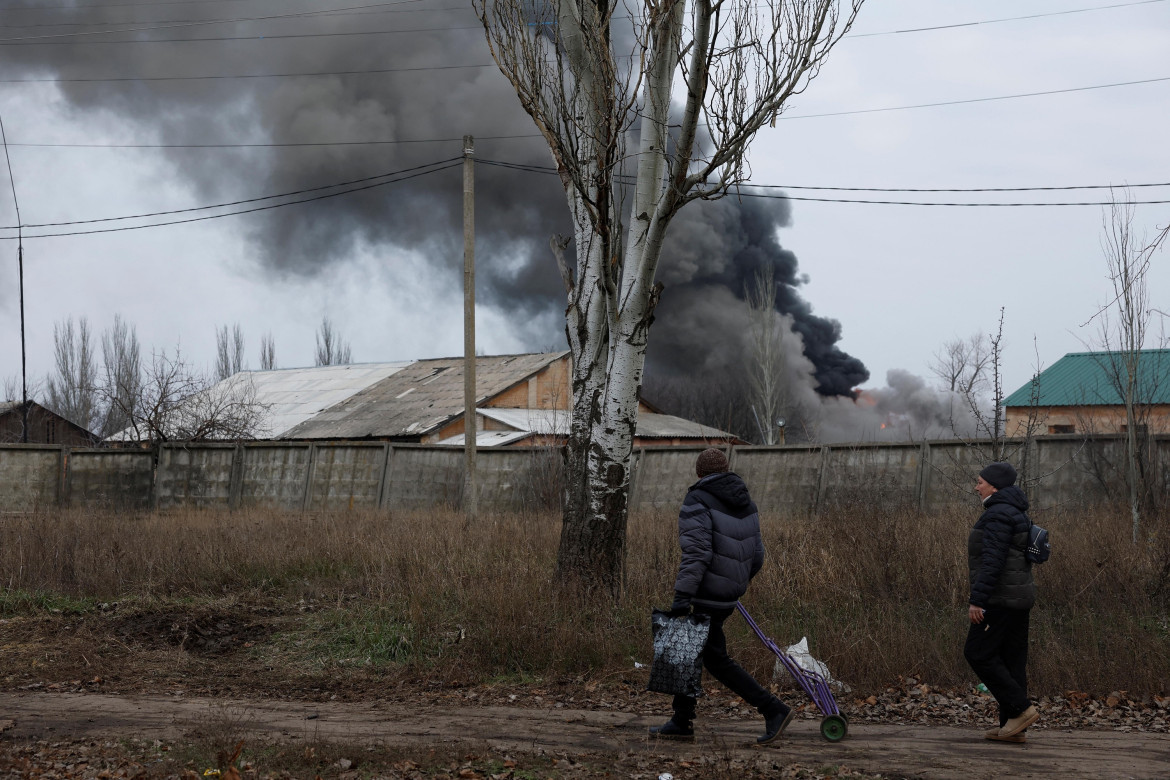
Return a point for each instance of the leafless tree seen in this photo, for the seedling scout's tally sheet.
(332, 349)
(121, 383)
(592, 74)
(1124, 334)
(178, 403)
(768, 367)
(961, 364)
(229, 351)
(10, 389)
(267, 352)
(72, 388)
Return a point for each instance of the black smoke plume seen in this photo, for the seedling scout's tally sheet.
(426, 104)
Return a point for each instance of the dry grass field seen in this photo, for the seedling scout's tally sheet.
(880, 594)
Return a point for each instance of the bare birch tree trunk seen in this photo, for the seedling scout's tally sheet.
(740, 61)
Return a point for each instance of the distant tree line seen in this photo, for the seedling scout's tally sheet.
(107, 385)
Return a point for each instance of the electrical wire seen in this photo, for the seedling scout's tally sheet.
(116, 5)
(1004, 19)
(441, 165)
(282, 36)
(537, 135)
(782, 117)
(290, 144)
(362, 180)
(549, 170)
(206, 22)
(740, 191)
(249, 76)
(975, 100)
(269, 207)
(322, 14)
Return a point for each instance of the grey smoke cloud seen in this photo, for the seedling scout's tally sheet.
(713, 249)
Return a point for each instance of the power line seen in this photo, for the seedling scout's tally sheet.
(360, 72)
(321, 14)
(747, 194)
(362, 180)
(936, 104)
(976, 100)
(116, 5)
(440, 165)
(537, 135)
(276, 145)
(257, 37)
(269, 207)
(1004, 19)
(206, 22)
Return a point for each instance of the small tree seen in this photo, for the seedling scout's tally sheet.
(178, 403)
(121, 382)
(72, 387)
(961, 364)
(267, 352)
(229, 351)
(592, 74)
(768, 366)
(1124, 329)
(332, 349)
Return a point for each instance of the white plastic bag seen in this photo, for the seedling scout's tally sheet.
(804, 659)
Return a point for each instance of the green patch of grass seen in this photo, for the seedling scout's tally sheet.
(23, 602)
(359, 635)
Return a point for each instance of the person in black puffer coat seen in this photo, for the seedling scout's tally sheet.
(1002, 595)
(719, 532)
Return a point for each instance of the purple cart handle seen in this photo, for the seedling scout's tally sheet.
(813, 683)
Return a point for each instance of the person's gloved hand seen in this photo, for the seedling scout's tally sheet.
(681, 605)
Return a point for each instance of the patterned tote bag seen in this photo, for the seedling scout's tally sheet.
(678, 653)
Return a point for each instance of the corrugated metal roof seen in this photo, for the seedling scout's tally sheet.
(419, 398)
(1083, 379)
(549, 421)
(488, 438)
(650, 425)
(294, 395)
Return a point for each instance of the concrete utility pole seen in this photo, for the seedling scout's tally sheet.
(469, 423)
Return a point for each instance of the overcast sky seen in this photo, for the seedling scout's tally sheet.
(901, 280)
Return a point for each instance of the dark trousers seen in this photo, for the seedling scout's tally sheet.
(997, 650)
(724, 669)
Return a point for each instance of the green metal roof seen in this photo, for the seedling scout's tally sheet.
(1083, 379)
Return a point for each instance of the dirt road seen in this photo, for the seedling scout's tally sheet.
(892, 750)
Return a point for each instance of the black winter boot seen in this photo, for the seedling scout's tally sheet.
(774, 725)
(673, 729)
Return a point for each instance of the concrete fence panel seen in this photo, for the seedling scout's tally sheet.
(782, 479)
(109, 478)
(662, 476)
(198, 475)
(422, 477)
(346, 476)
(1061, 470)
(514, 478)
(30, 477)
(870, 472)
(274, 475)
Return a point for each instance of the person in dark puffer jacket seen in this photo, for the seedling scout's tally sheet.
(719, 532)
(1002, 595)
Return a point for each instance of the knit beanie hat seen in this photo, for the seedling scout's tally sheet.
(999, 475)
(711, 461)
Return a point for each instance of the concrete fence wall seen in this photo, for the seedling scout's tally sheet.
(371, 475)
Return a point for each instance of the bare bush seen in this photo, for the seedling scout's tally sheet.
(180, 403)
